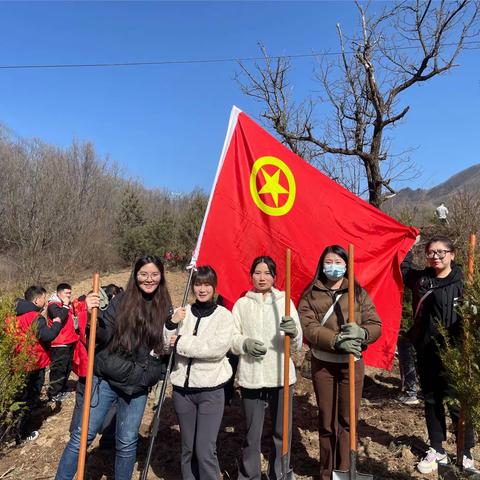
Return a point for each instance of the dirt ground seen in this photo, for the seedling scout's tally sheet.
(391, 436)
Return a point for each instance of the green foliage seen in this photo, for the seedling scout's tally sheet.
(169, 230)
(462, 359)
(131, 243)
(131, 214)
(14, 362)
(190, 221)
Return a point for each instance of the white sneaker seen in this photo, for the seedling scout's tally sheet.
(408, 400)
(431, 460)
(469, 464)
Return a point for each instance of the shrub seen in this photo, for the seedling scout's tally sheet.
(462, 359)
(14, 362)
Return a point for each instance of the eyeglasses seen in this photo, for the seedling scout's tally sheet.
(439, 253)
(146, 276)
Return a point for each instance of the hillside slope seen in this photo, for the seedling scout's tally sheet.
(467, 180)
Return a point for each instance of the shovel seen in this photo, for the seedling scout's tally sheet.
(352, 473)
(286, 373)
(87, 396)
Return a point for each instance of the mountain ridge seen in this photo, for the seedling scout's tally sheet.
(467, 180)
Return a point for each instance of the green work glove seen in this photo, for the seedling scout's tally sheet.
(253, 347)
(353, 331)
(103, 299)
(287, 325)
(348, 345)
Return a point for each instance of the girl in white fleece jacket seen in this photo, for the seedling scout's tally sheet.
(202, 335)
(259, 332)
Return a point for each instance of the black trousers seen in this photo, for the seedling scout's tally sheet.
(60, 368)
(30, 397)
(436, 389)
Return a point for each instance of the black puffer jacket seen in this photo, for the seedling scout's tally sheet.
(130, 373)
(439, 307)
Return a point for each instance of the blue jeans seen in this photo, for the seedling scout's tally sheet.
(108, 427)
(130, 410)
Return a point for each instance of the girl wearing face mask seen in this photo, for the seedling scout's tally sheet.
(323, 311)
(201, 333)
(435, 293)
(259, 333)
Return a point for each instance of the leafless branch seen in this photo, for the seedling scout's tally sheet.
(363, 90)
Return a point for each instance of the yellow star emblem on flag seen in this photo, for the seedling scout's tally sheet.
(271, 186)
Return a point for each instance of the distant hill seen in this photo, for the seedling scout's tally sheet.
(466, 180)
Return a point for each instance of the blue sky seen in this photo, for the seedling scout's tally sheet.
(165, 125)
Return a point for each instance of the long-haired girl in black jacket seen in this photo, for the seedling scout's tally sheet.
(127, 363)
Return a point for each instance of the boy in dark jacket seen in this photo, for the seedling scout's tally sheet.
(62, 348)
(30, 319)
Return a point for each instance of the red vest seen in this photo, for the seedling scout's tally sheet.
(38, 350)
(80, 356)
(67, 334)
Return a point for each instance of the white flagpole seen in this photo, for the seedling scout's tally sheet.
(232, 123)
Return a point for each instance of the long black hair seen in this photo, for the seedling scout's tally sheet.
(141, 318)
(319, 275)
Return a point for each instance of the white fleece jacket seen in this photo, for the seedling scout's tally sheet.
(205, 352)
(257, 316)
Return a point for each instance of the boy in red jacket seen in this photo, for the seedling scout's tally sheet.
(61, 350)
(29, 319)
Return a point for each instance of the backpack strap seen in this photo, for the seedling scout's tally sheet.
(329, 312)
(420, 302)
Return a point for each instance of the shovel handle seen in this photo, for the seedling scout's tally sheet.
(286, 358)
(286, 370)
(351, 358)
(88, 384)
(471, 257)
(461, 418)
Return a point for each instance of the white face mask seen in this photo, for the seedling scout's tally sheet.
(334, 272)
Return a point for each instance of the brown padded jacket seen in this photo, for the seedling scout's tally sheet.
(314, 305)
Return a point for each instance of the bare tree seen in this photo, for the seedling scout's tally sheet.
(403, 45)
(56, 207)
(64, 211)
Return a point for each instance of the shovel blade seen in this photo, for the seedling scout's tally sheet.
(339, 475)
(451, 472)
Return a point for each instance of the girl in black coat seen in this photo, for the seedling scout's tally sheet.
(127, 363)
(436, 291)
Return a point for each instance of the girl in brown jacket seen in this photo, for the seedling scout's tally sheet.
(323, 311)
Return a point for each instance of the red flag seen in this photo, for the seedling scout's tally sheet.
(265, 199)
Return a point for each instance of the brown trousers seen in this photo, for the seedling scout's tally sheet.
(330, 382)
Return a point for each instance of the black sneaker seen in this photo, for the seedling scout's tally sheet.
(29, 438)
(58, 398)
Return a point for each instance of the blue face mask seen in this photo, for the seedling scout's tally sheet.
(334, 272)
